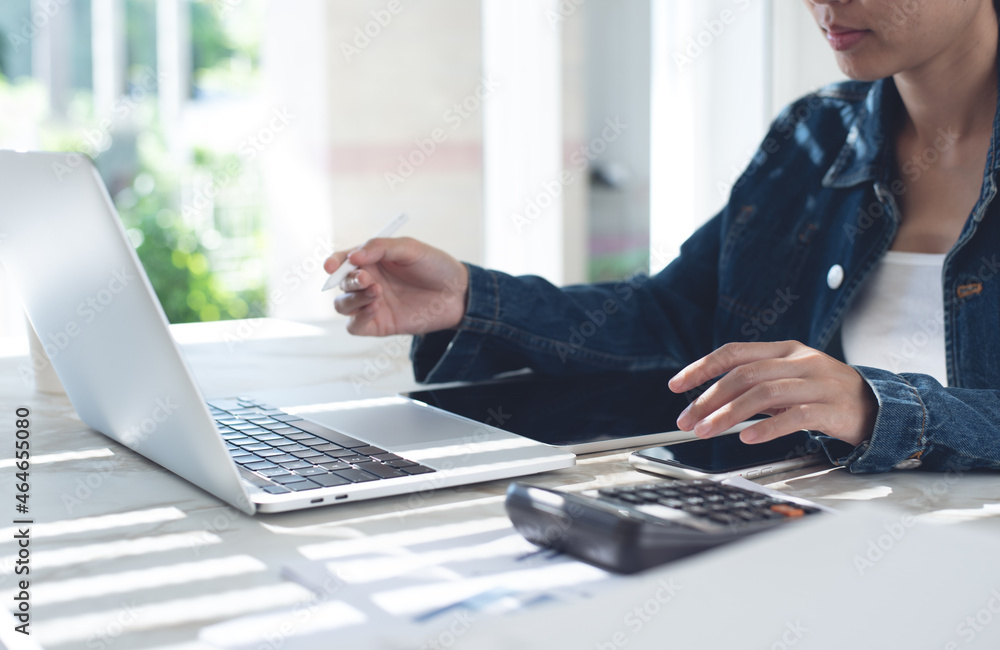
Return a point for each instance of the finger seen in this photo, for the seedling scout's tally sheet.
(350, 302)
(333, 262)
(724, 359)
(362, 322)
(357, 281)
(735, 383)
(772, 394)
(789, 421)
(397, 250)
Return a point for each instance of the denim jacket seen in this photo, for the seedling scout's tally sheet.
(804, 226)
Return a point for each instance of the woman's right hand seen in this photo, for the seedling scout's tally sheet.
(401, 286)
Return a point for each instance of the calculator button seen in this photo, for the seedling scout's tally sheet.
(787, 510)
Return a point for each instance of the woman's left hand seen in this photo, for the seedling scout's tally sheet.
(801, 388)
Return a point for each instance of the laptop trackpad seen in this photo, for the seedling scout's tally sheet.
(395, 422)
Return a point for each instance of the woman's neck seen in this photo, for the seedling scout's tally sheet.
(956, 90)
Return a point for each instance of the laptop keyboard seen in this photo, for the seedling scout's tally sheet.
(282, 453)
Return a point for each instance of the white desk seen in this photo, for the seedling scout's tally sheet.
(126, 555)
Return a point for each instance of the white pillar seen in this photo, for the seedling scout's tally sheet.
(522, 138)
(108, 51)
(173, 61)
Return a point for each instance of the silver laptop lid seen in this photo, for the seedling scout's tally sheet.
(93, 308)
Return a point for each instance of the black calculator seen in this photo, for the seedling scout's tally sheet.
(630, 528)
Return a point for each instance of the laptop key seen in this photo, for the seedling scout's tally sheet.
(274, 471)
(355, 459)
(399, 464)
(327, 434)
(260, 446)
(259, 465)
(339, 453)
(355, 475)
(274, 455)
(286, 479)
(329, 480)
(311, 471)
(282, 428)
(327, 446)
(380, 470)
(417, 469)
(369, 450)
(224, 404)
(246, 460)
(288, 449)
(278, 458)
(384, 457)
(308, 453)
(276, 489)
(295, 464)
(301, 486)
(335, 466)
(286, 417)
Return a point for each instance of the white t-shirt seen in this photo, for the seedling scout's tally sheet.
(897, 322)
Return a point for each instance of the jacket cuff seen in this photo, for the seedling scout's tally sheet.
(447, 355)
(900, 427)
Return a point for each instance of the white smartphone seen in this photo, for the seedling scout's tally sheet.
(725, 456)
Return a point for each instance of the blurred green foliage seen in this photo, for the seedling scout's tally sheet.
(177, 256)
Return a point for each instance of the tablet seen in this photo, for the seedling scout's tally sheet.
(582, 414)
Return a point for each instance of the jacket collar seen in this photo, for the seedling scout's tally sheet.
(860, 160)
(864, 154)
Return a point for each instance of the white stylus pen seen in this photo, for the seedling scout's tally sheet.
(390, 229)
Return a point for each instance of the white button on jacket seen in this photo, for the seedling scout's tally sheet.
(835, 276)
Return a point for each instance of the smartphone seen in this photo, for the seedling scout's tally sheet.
(725, 456)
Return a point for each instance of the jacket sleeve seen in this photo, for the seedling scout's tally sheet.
(921, 423)
(639, 323)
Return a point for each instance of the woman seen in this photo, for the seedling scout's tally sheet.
(799, 290)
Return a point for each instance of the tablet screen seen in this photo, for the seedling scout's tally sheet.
(568, 410)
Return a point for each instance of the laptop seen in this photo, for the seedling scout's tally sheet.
(88, 298)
